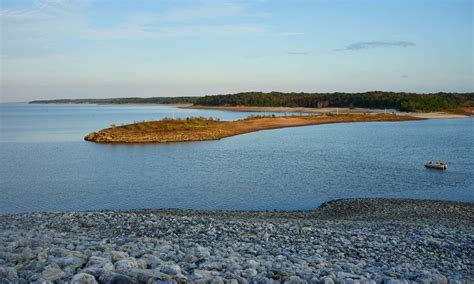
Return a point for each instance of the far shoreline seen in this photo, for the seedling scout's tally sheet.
(326, 110)
(177, 105)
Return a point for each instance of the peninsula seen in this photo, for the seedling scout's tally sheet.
(202, 129)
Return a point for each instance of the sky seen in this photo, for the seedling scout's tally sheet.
(142, 48)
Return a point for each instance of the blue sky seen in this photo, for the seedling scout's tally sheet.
(75, 49)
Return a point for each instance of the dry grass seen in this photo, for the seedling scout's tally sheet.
(201, 129)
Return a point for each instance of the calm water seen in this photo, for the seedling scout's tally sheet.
(46, 166)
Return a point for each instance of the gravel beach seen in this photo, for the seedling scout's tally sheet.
(344, 241)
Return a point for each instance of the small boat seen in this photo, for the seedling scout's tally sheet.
(441, 165)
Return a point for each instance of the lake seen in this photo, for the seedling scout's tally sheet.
(46, 166)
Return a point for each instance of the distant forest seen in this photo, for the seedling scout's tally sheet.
(154, 100)
(375, 99)
(381, 100)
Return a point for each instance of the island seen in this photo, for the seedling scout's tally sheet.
(202, 129)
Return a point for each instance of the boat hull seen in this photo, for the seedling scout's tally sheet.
(437, 167)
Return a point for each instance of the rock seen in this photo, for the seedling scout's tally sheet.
(253, 264)
(351, 281)
(433, 277)
(59, 251)
(200, 274)
(216, 280)
(249, 273)
(9, 274)
(151, 261)
(345, 275)
(129, 263)
(129, 247)
(191, 258)
(97, 266)
(83, 278)
(396, 281)
(440, 279)
(202, 252)
(171, 268)
(52, 272)
(145, 275)
(142, 264)
(72, 262)
(257, 247)
(294, 280)
(327, 280)
(120, 279)
(42, 256)
(98, 261)
(118, 255)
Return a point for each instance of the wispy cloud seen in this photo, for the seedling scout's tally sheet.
(31, 31)
(376, 44)
(37, 29)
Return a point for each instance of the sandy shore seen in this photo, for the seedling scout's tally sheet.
(346, 241)
(437, 115)
(429, 115)
(186, 130)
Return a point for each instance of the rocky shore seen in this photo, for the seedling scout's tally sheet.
(345, 241)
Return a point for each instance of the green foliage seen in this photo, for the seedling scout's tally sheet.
(427, 104)
(154, 100)
(192, 118)
(375, 99)
(187, 119)
(172, 124)
(257, 116)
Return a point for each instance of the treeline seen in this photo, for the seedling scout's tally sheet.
(375, 99)
(154, 100)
